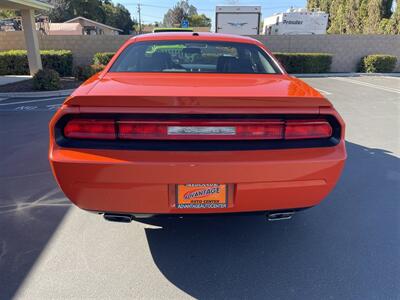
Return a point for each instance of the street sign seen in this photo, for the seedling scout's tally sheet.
(185, 23)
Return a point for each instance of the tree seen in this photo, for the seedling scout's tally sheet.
(374, 18)
(199, 21)
(358, 16)
(67, 9)
(352, 22)
(118, 16)
(183, 10)
(337, 17)
(7, 14)
(103, 11)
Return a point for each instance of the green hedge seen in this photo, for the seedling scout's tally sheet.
(46, 80)
(15, 62)
(102, 58)
(305, 62)
(59, 60)
(377, 63)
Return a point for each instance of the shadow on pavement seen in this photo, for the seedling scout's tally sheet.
(347, 247)
(31, 204)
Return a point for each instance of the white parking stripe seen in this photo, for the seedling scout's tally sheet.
(371, 85)
(324, 92)
(31, 101)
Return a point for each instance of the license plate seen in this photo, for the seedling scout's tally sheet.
(201, 196)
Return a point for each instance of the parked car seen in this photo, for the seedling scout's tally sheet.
(195, 123)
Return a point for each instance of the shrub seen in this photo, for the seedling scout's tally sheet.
(305, 62)
(83, 73)
(102, 58)
(58, 60)
(46, 80)
(16, 62)
(377, 63)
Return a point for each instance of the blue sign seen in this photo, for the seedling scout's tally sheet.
(185, 24)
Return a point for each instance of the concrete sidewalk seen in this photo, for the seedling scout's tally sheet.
(6, 79)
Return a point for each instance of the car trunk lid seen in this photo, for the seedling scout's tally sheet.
(198, 91)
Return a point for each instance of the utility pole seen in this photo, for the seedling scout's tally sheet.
(140, 18)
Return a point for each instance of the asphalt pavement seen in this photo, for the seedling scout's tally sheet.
(346, 248)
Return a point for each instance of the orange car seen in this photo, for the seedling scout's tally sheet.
(195, 123)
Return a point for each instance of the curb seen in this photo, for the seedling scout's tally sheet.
(305, 75)
(37, 94)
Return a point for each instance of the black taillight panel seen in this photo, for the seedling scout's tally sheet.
(194, 145)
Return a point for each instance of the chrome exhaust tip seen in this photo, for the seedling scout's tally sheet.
(118, 218)
(279, 216)
(143, 216)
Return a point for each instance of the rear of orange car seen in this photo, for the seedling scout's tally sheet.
(195, 137)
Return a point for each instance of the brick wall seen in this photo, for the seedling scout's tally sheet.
(346, 49)
(83, 47)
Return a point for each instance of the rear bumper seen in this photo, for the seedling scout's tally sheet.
(144, 181)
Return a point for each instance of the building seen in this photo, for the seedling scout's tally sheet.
(64, 29)
(90, 27)
(296, 21)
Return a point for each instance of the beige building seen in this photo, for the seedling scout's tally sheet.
(90, 27)
(64, 29)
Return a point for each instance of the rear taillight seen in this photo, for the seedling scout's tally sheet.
(307, 129)
(197, 130)
(90, 129)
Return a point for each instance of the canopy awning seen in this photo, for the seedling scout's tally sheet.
(25, 4)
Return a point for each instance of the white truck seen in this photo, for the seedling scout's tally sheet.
(296, 21)
(238, 19)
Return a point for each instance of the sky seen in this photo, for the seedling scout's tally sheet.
(153, 11)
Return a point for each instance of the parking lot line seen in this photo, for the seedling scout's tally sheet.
(323, 92)
(30, 101)
(371, 85)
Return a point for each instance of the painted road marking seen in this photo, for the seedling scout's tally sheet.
(26, 108)
(31, 101)
(31, 108)
(323, 92)
(371, 85)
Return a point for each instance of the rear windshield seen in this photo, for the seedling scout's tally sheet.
(194, 57)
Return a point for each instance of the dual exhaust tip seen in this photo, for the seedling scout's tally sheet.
(121, 218)
(118, 218)
(280, 216)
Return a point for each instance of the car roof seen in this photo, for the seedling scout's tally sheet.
(159, 36)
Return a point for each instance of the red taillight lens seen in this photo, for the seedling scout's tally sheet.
(197, 130)
(90, 129)
(307, 129)
(133, 130)
(200, 130)
(268, 131)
